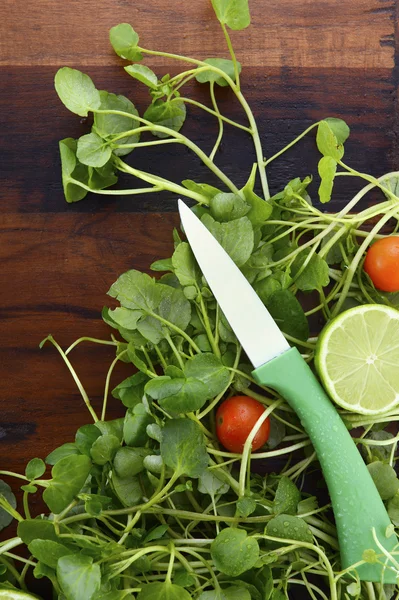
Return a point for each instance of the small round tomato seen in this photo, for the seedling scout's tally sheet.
(382, 264)
(235, 418)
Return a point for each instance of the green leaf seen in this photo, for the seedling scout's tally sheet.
(236, 237)
(5, 517)
(124, 41)
(174, 307)
(339, 128)
(170, 114)
(180, 395)
(48, 551)
(85, 438)
(209, 369)
(72, 170)
(137, 291)
(164, 264)
(156, 533)
(327, 143)
(129, 461)
(289, 528)
(163, 591)
(225, 65)
(32, 529)
(131, 390)
(76, 91)
(288, 314)
(286, 498)
(183, 447)
(209, 483)
(184, 265)
(135, 425)
(385, 479)
(102, 177)
(207, 191)
(245, 506)
(233, 13)
(227, 207)
(260, 209)
(111, 427)
(233, 552)
(104, 449)
(93, 151)
(128, 489)
(78, 576)
(35, 468)
(327, 168)
(68, 477)
(314, 276)
(143, 74)
(111, 125)
(393, 509)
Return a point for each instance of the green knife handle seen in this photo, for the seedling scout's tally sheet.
(355, 500)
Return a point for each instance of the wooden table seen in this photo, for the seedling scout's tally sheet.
(302, 60)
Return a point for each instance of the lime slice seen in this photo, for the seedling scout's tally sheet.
(15, 595)
(357, 358)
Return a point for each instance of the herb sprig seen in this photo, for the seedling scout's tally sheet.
(148, 505)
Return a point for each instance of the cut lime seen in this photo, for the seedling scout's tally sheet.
(357, 359)
(15, 595)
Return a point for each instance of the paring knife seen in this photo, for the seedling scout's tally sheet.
(356, 502)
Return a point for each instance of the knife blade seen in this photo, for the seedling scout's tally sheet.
(358, 509)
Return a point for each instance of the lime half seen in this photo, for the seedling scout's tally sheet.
(357, 358)
(15, 595)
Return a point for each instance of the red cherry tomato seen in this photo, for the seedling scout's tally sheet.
(382, 264)
(235, 419)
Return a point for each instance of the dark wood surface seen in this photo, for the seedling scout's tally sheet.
(302, 60)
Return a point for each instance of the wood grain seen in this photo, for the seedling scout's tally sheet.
(283, 33)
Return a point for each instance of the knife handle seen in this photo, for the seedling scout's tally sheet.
(356, 502)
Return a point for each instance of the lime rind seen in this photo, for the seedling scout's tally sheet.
(357, 359)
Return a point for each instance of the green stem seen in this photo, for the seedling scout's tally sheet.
(233, 56)
(216, 114)
(89, 339)
(269, 160)
(174, 350)
(107, 381)
(168, 578)
(220, 133)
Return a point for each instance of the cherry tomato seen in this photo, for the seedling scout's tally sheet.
(235, 419)
(382, 264)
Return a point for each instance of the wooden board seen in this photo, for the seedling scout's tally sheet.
(302, 60)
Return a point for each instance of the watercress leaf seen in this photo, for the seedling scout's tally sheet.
(191, 396)
(137, 290)
(236, 592)
(79, 577)
(111, 427)
(174, 307)
(31, 489)
(102, 177)
(308, 505)
(48, 551)
(393, 509)
(314, 275)
(76, 91)
(327, 168)
(327, 143)
(151, 329)
(130, 391)
(163, 387)
(209, 369)
(144, 74)
(170, 114)
(260, 210)
(35, 468)
(125, 317)
(286, 498)
(32, 529)
(5, 517)
(209, 483)
(135, 425)
(156, 533)
(184, 579)
(279, 595)
(183, 447)
(154, 431)
(288, 314)
(184, 265)
(245, 506)
(129, 461)
(163, 591)
(110, 125)
(68, 477)
(124, 41)
(233, 13)
(339, 128)
(234, 552)
(225, 65)
(128, 489)
(236, 237)
(206, 190)
(290, 528)
(85, 438)
(385, 479)
(93, 151)
(164, 264)
(277, 432)
(153, 463)
(72, 170)
(135, 358)
(228, 206)
(104, 449)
